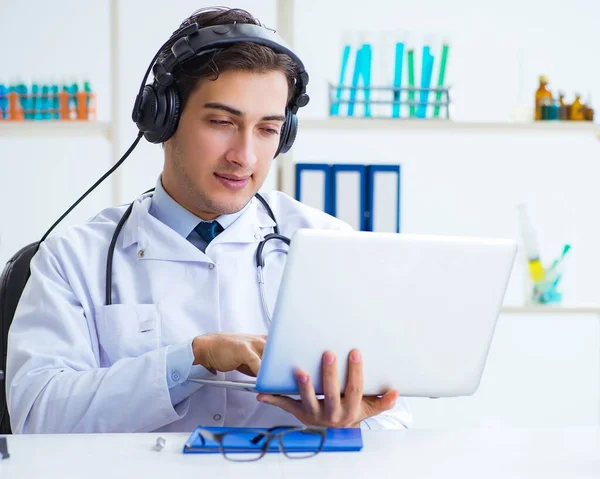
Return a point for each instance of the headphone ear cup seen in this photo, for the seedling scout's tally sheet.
(158, 113)
(289, 131)
(152, 110)
(148, 109)
(171, 116)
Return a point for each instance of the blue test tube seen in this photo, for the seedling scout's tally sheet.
(3, 102)
(335, 105)
(55, 102)
(355, 79)
(426, 73)
(36, 103)
(398, 61)
(21, 90)
(46, 105)
(365, 70)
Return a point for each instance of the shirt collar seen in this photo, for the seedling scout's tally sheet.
(165, 209)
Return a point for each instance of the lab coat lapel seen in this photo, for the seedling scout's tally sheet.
(247, 228)
(155, 240)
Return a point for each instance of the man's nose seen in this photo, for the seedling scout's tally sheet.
(242, 153)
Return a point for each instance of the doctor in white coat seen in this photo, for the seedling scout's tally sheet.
(185, 298)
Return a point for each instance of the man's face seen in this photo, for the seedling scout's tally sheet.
(225, 142)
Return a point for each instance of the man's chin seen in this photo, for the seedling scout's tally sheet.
(232, 206)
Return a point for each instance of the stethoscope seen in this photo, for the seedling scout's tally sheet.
(260, 260)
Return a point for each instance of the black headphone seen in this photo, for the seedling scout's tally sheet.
(157, 107)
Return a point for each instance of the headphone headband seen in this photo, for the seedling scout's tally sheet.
(201, 41)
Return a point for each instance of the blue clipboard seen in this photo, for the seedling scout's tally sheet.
(301, 168)
(372, 172)
(360, 222)
(336, 440)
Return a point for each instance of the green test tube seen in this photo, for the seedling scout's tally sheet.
(441, 77)
(410, 57)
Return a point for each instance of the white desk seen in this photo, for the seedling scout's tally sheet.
(416, 453)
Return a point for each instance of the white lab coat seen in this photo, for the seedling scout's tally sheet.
(76, 365)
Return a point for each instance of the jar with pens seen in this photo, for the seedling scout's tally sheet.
(542, 282)
(384, 75)
(37, 102)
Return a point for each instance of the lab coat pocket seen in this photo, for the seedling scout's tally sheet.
(127, 330)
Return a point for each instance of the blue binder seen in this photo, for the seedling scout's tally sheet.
(349, 439)
(349, 199)
(383, 198)
(317, 191)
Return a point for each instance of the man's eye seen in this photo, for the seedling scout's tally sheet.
(220, 122)
(271, 131)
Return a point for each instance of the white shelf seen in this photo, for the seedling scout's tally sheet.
(550, 310)
(57, 128)
(342, 123)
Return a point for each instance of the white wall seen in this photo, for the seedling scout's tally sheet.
(455, 182)
(498, 48)
(468, 182)
(464, 184)
(542, 371)
(40, 177)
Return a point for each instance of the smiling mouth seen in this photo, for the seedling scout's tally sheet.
(233, 182)
(233, 177)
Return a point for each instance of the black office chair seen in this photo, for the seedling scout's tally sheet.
(12, 282)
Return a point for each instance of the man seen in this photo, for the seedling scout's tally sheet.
(185, 301)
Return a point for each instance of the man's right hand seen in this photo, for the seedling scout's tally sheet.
(227, 352)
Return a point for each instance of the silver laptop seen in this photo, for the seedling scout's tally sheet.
(422, 309)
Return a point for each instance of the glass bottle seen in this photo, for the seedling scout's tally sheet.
(554, 110)
(564, 108)
(542, 94)
(545, 109)
(589, 111)
(589, 114)
(577, 109)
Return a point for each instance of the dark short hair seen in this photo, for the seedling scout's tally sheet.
(250, 57)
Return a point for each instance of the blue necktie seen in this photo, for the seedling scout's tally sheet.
(208, 230)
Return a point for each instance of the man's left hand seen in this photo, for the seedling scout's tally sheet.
(334, 410)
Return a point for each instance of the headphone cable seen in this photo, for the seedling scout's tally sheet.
(176, 36)
(93, 187)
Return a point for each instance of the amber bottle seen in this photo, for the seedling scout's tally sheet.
(542, 96)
